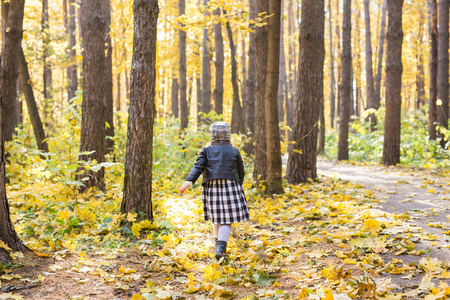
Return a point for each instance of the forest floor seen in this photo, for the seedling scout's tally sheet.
(359, 233)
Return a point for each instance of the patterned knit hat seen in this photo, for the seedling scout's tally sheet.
(220, 131)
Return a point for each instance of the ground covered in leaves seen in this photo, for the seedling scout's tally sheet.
(321, 240)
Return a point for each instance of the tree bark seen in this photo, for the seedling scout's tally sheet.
(420, 75)
(174, 98)
(184, 112)
(251, 80)
(346, 86)
(219, 63)
(309, 94)
(377, 95)
(46, 52)
(394, 69)
(118, 100)
(206, 68)
(291, 69)
(261, 42)
(237, 120)
(370, 96)
(282, 78)
(8, 234)
(332, 81)
(13, 16)
(94, 91)
(243, 79)
(433, 31)
(137, 196)
(72, 76)
(442, 70)
(274, 164)
(27, 89)
(109, 98)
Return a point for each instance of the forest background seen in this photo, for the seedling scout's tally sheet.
(179, 52)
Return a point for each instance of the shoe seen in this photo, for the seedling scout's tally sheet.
(221, 249)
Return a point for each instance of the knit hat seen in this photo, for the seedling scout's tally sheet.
(220, 131)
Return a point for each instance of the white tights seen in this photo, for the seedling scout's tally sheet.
(222, 231)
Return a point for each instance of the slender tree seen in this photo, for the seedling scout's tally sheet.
(46, 52)
(137, 191)
(94, 91)
(174, 98)
(109, 98)
(261, 42)
(13, 18)
(377, 95)
(274, 164)
(72, 66)
(237, 120)
(8, 234)
(309, 94)
(219, 63)
(251, 79)
(291, 67)
(420, 75)
(432, 29)
(332, 83)
(394, 69)
(184, 112)
(282, 78)
(442, 70)
(27, 89)
(206, 67)
(370, 90)
(345, 86)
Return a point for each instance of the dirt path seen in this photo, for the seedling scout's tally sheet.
(425, 197)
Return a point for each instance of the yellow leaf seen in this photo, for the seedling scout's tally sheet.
(4, 246)
(136, 229)
(328, 296)
(444, 275)
(127, 270)
(137, 297)
(41, 254)
(131, 217)
(211, 272)
(373, 226)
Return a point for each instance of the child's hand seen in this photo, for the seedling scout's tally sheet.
(184, 186)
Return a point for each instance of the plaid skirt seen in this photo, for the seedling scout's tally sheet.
(224, 202)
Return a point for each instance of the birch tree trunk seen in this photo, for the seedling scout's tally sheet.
(370, 96)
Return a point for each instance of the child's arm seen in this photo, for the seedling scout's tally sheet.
(184, 186)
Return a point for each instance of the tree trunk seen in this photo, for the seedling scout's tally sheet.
(394, 69)
(46, 52)
(282, 78)
(109, 100)
(219, 63)
(206, 68)
(174, 98)
(8, 234)
(346, 85)
(332, 83)
(420, 75)
(137, 195)
(442, 70)
(321, 148)
(274, 164)
(199, 97)
(377, 96)
(237, 120)
(291, 69)
(27, 88)
(250, 83)
(432, 28)
(309, 94)
(184, 112)
(94, 91)
(72, 76)
(243, 80)
(13, 16)
(261, 42)
(370, 96)
(118, 100)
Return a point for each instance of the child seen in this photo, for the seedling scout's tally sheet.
(223, 198)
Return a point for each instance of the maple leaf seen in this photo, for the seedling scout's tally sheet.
(373, 226)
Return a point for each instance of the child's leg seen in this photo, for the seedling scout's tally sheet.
(216, 230)
(224, 232)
